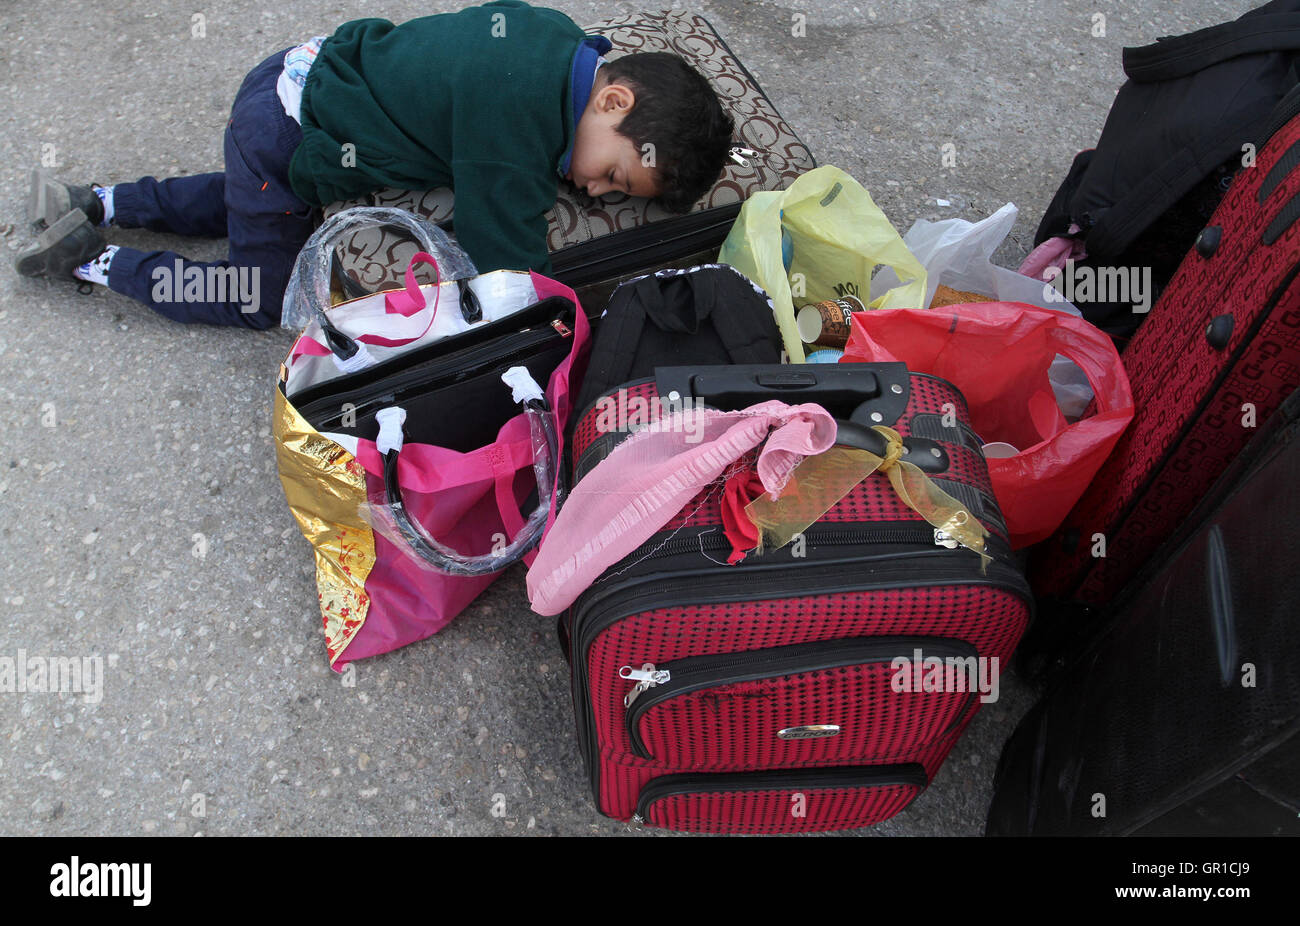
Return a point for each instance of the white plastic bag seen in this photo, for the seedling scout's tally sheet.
(959, 254)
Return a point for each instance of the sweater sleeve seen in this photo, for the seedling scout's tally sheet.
(500, 217)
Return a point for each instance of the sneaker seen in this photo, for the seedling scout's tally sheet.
(67, 244)
(49, 200)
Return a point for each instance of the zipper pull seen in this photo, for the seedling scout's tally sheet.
(562, 328)
(645, 677)
(941, 539)
(944, 539)
(738, 154)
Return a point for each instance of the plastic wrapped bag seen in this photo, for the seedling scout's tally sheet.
(998, 355)
(409, 480)
(308, 294)
(834, 238)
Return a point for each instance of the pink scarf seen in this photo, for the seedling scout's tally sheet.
(651, 476)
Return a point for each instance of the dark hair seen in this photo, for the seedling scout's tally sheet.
(676, 111)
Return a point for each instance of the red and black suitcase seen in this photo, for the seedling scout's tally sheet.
(1215, 359)
(765, 697)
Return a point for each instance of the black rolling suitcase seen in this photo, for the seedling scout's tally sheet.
(1183, 716)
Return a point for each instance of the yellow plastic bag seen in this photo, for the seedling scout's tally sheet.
(839, 236)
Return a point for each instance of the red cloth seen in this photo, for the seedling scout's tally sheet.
(741, 489)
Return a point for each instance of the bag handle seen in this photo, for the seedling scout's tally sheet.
(307, 295)
(869, 393)
(421, 545)
(349, 352)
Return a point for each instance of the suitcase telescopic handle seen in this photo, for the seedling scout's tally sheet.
(450, 562)
(860, 395)
(867, 393)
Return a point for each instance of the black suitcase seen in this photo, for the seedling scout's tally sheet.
(1182, 716)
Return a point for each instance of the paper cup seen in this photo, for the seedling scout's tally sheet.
(827, 323)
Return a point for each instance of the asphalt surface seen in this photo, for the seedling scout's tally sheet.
(127, 436)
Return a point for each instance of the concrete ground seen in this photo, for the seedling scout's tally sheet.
(125, 436)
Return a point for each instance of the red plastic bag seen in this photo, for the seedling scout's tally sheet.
(998, 355)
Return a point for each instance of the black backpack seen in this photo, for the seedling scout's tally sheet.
(704, 316)
(1178, 131)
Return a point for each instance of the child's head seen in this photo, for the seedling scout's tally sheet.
(652, 127)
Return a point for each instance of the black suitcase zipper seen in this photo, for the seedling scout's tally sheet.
(691, 542)
(892, 568)
(646, 245)
(462, 365)
(910, 568)
(700, 672)
(861, 776)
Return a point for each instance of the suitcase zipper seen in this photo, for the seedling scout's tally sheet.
(645, 677)
(904, 533)
(739, 155)
(859, 574)
(649, 245)
(700, 672)
(863, 776)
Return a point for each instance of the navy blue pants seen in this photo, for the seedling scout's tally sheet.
(251, 203)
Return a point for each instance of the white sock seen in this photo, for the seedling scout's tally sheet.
(105, 194)
(97, 270)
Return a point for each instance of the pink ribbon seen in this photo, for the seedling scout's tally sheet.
(408, 301)
(652, 475)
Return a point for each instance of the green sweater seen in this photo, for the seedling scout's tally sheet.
(477, 100)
